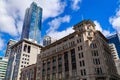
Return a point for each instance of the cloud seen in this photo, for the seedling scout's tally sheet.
(1, 43)
(48, 9)
(55, 24)
(7, 23)
(60, 34)
(12, 10)
(52, 11)
(98, 27)
(115, 20)
(75, 4)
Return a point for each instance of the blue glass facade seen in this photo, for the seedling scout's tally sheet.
(116, 40)
(32, 23)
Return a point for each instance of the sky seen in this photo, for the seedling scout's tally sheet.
(59, 17)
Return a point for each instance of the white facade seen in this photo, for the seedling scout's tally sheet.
(23, 53)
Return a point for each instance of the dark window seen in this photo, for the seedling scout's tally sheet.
(29, 49)
(73, 59)
(78, 40)
(82, 63)
(98, 70)
(25, 47)
(80, 48)
(93, 45)
(96, 61)
(66, 61)
(95, 53)
(83, 72)
(81, 55)
(66, 75)
(60, 63)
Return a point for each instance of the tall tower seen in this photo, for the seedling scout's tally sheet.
(32, 23)
(47, 40)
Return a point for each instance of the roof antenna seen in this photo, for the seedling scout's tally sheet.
(82, 17)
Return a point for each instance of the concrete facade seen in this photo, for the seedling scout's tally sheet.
(23, 53)
(8, 50)
(28, 73)
(82, 55)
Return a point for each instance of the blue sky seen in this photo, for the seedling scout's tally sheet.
(59, 16)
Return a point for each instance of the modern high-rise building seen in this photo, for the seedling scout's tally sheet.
(23, 54)
(116, 40)
(3, 67)
(82, 55)
(32, 23)
(46, 40)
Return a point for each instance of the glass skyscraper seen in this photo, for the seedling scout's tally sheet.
(32, 23)
(116, 40)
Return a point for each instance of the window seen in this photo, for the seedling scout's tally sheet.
(66, 75)
(25, 47)
(83, 72)
(60, 76)
(96, 61)
(66, 61)
(82, 63)
(48, 77)
(73, 59)
(93, 45)
(29, 49)
(79, 40)
(95, 53)
(54, 77)
(81, 55)
(98, 70)
(80, 48)
(59, 63)
(74, 74)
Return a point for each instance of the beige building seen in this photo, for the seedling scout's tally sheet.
(28, 73)
(82, 55)
(23, 53)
